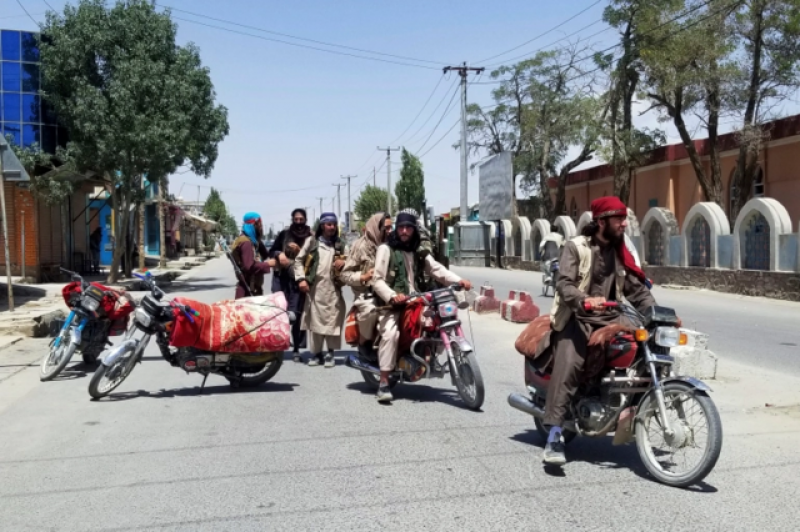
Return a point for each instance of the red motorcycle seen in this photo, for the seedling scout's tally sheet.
(629, 388)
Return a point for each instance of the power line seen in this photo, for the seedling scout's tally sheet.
(446, 112)
(271, 39)
(420, 111)
(433, 113)
(26, 12)
(554, 28)
(440, 139)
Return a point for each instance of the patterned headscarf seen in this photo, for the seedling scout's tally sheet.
(373, 236)
(249, 226)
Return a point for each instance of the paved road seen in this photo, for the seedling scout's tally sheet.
(750, 330)
(314, 451)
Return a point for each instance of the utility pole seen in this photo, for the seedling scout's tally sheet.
(10, 286)
(349, 205)
(320, 204)
(389, 151)
(339, 199)
(463, 70)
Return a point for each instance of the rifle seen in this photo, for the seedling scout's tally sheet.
(239, 275)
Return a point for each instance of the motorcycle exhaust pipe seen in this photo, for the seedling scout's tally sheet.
(354, 362)
(520, 402)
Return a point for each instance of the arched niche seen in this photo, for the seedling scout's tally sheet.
(521, 229)
(508, 231)
(757, 234)
(566, 227)
(658, 227)
(704, 223)
(584, 220)
(540, 229)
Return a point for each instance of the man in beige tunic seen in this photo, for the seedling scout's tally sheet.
(398, 267)
(359, 270)
(317, 268)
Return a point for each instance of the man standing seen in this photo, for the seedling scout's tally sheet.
(595, 267)
(284, 250)
(317, 269)
(94, 247)
(245, 250)
(399, 269)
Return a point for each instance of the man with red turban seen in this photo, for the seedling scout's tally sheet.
(595, 267)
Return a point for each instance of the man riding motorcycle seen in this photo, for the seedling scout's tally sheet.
(399, 269)
(595, 267)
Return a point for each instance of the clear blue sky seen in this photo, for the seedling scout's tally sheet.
(301, 118)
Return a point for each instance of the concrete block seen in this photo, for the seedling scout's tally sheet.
(486, 302)
(694, 359)
(519, 308)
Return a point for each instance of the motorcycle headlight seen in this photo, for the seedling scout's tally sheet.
(143, 317)
(448, 310)
(90, 303)
(669, 337)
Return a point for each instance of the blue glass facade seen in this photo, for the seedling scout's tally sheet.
(23, 114)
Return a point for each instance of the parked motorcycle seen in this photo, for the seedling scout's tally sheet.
(96, 313)
(442, 335)
(156, 317)
(674, 422)
(550, 276)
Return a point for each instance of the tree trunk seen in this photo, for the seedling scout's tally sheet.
(162, 245)
(141, 235)
(119, 237)
(713, 105)
(747, 161)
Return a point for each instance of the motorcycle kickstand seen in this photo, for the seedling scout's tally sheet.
(203, 385)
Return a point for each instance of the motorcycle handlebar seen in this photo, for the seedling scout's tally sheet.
(607, 304)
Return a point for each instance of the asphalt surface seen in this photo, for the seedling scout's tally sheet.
(751, 330)
(312, 450)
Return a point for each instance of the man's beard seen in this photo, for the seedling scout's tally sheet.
(612, 238)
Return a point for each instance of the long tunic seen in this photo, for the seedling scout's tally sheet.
(325, 309)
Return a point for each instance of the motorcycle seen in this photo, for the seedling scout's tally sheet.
(549, 276)
(155, 317)
(441, 335)
(636, 396)
(96, 313)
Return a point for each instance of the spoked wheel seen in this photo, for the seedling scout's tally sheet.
(374, 381)
(107, 378)
(690, 453)
(250, 379)
(58, 358)
(469, 380)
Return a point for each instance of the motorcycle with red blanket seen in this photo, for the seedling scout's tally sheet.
(242, 340)
(432, 344)
(97, 312)
(628, 388)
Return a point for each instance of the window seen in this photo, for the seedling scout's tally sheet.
(652, 203)
(12, 76)
(10, 45)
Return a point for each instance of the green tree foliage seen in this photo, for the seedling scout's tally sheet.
(215, 209)
(371, 200)
(410, 188)
(134, 102)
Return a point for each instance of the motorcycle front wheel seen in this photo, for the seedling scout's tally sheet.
(469, 380)
(58, 357)
(107, 378)
(688, 455)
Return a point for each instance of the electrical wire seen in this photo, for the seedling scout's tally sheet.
(410, 140)
(554, 28)
(420, 111)
(26, 12)
(446, 112)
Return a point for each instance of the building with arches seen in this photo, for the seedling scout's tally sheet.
(669, 180)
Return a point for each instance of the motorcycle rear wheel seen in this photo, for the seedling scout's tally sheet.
(257, 378)
(713, 445)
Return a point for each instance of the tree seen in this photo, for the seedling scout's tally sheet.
(134, 102)
(372, 200)
(685, 71)
(768, 38)
(627, 146)
(216, 210)
(410, 188)
(43, 169)
(271, 234)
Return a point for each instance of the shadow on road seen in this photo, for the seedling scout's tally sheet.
(601, 453)
(196, 391)
(417, 393)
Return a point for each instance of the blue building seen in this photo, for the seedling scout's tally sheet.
(23, 114)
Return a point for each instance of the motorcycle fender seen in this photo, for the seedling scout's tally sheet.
(462, 344)
(118, 351)
(694, 383)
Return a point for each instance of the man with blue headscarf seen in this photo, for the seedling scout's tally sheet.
(244, 251)
(317, 270)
